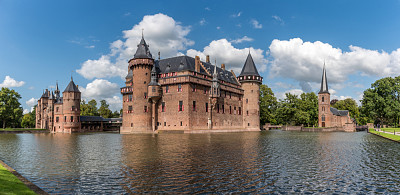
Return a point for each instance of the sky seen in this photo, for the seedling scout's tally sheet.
(45, 41)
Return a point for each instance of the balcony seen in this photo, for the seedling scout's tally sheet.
(126, 90)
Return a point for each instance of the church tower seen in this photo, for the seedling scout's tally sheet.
(71, 108)
(137, 107)
(324, 102)
(250, 81)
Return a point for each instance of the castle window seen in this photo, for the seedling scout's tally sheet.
(225, 93)
(145, 109)
(167, 89)
(129, 109)
(57, 109)
(205, 90)
(323, 118)
(145, 95)
(247, 101)
(217, 108)
(206, 107)
(322, 98)
(239, 98)
(223, 109)
(247, 113)
(194, 88)
(248, 124)
(162, 106)
(57, 119)
(72, 118)
(73, 108)
(194, 105)
(153, 89)
(179, 87)
(181, 123)
(65, 118)
(131, 124)
(129, 98)
(144, 82)
(180, 105)
(230, 95)
(230, 109)
(165, 123)
(240, 110)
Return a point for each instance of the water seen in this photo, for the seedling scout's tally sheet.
(252, 162)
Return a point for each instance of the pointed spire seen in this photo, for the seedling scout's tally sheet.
(324, 82)
(143, 51)
(71, 87)
(153, 80)
(215, 75)
(249, 68)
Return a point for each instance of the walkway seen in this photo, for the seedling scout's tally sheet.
(391, 133)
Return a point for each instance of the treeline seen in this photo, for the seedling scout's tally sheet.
(298, 110)
(90, 109)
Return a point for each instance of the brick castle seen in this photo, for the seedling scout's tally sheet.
(329, 116)
(186, 94)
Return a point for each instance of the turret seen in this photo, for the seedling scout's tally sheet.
(136, 105)
(324, 102)
(71, 108)
(250, 81)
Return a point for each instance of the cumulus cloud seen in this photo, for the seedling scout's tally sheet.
(278, 19)
(101, 89)
(305, 86)
(243, 39)
(31, 102)
(302, 60)
(233, 58)
(162, 33)
(256, 24)
(10, 82)
(282, 95)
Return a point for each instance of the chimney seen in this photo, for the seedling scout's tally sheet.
(208, 58)
(223, 66)
(197, 63)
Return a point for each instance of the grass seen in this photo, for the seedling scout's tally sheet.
(391, 129)
(21, 129)
(386, 135)
(9, 184)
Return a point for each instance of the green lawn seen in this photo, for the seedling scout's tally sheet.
(9, 184)
(390, 136)
(391, 129)
(20, 129)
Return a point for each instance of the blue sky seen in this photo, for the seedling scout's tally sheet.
(42, 42)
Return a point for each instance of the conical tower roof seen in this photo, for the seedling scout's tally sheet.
(249, 68)
(143, 51)
(324, 82)
(71, 87)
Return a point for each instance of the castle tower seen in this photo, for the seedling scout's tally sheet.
(324, 102)
(44, 123)
(50, 111)
(251, 81)
(137, 110)
(214, 95)
(154, 92)
(71, 108)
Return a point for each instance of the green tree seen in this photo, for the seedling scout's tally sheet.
(308, 105)
(268, 105)
(28, 121)
(10, 108)
(89, 109)
(104, 109)
(116, 114)
(350, 105)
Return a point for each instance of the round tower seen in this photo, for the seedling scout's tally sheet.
(71, 108)
(324, 102)
(250, 81)
(141, 66)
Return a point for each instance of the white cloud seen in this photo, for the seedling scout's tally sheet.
(10, 82)
(218, 27)
(283, 85)
(101, 89)
(31, 102)
(233, 58)
(236, 15)
(278, 19)
(256, 24)
(303, 61)
(162, 33)
(282, 95)
(243, 39)
(202, 22)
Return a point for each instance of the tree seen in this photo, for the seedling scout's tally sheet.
(89, 109)
(268, 105)
(10, 108)
(116, 114)
(104, 109)
(28, 121)
(350, 105)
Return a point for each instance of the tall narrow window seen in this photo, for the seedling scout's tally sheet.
(194, 88)
(72, 118)
(180, 105)
(323, 98)
(179, 87)
(162, 106)
(57, 109)
(129, 109)
(130, 97)
(223, 109)
(194, 105)
(225, 93)
(230, 109)
(145, 108)
(65, 118)
(145, 95)
(57, 119)
(205, 90)
(230, 95)
(167, 89)
(240, 110)
(247, 101)
(247, 112)
(217, 108)
(323, 118)
(206, 107)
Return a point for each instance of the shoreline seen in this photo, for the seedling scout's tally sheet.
(383, 135)
(22, 179)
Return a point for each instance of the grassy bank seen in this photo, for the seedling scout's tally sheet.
(386, 135)
(391, 129)
(9, 184)
(21, 129)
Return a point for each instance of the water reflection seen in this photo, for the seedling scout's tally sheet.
(250, 162)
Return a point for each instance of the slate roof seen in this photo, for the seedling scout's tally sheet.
(71, 87)
(182, 63)
(59, 100)
(143, 51)
(45, 94)
(249, 68)
(130, 74)
(51, 96)
(324, 82)
(339, 112)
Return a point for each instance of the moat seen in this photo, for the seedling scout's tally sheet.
(261, 162)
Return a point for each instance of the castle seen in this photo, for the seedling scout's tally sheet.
(185, 94)
(329, 116)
